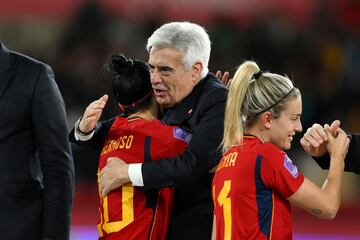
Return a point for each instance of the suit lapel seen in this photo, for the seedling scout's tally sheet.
(5, 68)
(178, 114)
(184, 110)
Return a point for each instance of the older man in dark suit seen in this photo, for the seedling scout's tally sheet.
(193, 99)
(36, 166)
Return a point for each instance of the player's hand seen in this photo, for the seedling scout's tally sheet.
(337, 145)
(113, 175)
(315, 139)
(92, 114)
(223, 78)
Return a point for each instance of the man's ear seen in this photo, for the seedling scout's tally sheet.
(196, 71)
(266, 119)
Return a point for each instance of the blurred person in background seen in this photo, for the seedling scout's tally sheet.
(255, 180)
(135, 136)
(193, 99)
(315, 141)
(36, 167)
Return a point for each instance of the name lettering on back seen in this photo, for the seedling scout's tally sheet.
(123, 142)
(228, 160)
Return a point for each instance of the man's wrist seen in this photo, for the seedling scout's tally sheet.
(135, 174)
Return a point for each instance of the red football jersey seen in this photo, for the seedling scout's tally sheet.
(250, 188)
(125, 212)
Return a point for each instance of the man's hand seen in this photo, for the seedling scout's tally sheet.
(92, 114)
(314, 140)
(113, 175)
(223, 78)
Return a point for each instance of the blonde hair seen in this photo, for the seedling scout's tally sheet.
(249, 97)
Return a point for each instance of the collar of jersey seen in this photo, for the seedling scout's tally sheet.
(249, 136)
(133, 119)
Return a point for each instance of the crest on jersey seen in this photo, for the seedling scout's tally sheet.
(182, 135)
(290, 166)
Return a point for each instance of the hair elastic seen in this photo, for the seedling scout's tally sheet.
(257, 75)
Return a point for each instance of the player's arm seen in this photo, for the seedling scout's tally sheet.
(97, 138)
(324, 202)
(88, 132)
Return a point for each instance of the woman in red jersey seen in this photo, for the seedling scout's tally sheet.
(255, 181)
(137, 136)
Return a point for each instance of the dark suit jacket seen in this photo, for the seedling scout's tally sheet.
(36, 166)
(352, 159)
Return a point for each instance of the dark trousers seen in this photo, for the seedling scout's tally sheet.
(195, 223)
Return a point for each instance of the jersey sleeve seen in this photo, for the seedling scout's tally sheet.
(168, 141)
(279, 173)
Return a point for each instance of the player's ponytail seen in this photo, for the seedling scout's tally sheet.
(233, 122)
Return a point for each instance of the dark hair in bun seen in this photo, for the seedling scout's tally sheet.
(130, 82)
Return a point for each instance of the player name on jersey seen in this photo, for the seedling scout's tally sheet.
(119, 143)
(228, 160)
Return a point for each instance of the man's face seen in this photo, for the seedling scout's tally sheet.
(170, 80)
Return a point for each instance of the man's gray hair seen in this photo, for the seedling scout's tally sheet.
(189, 38)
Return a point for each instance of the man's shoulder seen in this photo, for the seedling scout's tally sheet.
(212, 83)
(213, 89)
(22, 60)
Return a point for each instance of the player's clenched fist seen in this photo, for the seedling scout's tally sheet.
(92, 114)
(315, 139)
(338, 145)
